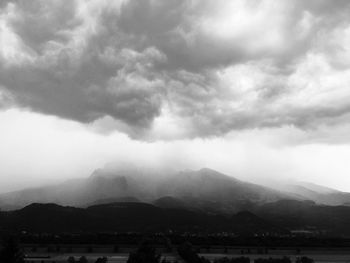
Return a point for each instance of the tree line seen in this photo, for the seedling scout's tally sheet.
(10, 252)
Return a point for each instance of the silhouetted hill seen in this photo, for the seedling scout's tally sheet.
(169, 202)
(126, 199)
(277, 217)
(306, 215)
(124, 217)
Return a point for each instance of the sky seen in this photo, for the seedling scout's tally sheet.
(259, 90)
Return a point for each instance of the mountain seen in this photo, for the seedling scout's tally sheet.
(81, 192)
(203, 190)
(126, 199)
(317, 193)
(318, 188)
(208, 184)
(277, 218)
(214, 192)
(206, 190)
(170, 202)
(124, 217)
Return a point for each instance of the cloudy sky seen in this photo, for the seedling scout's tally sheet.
(256, 89)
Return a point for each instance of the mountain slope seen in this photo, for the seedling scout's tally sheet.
(124, 217)
(318, 194)
(211, 189)
(205, 189)
(281, 217)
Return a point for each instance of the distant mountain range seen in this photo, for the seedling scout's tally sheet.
(203, 200)
(204, 190)
(318, 194)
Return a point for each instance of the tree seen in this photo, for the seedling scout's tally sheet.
(71, 260)
(11, 252)
(304, 260)
(102, 260)
(187, 252)
(83, 259)
(116, 248)
(144, 254)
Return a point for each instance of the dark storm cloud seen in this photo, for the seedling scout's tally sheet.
(217, 65)
(71, 73)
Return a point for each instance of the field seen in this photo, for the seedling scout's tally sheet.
(319, 255)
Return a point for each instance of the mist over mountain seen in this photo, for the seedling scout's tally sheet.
(203, 190)
(114, 199)
(317, 193)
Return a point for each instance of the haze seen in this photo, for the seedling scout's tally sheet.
(256, 89)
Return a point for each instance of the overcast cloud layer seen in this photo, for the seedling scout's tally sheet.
(256, 89)
(201, 68)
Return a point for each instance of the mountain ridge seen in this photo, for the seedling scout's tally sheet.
(125, 217)
(204, 190)
(279, 218)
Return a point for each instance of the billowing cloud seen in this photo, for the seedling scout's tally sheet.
(175, 69)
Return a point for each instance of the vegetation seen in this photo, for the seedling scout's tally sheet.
(144, 254)
(304, 260)
(198, 239)
(187, 252)
(83, 259)
(102, 260)
(11, 252)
